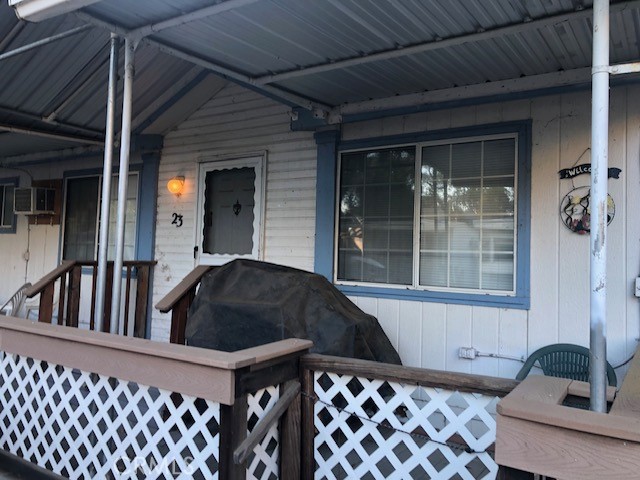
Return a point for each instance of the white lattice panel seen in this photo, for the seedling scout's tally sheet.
(84, 425)
(373, 429)
(263, 463)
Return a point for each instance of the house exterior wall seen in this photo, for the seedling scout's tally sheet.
(238, 122)
(235, 123)
(41, 241)
(429, 334)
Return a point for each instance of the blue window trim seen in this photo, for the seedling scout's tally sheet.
(328, 146)
(12, 181)
(147, 211)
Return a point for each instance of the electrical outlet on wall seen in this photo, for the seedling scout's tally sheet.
(467, 352)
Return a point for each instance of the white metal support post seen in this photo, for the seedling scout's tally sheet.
(106, 186)
(123, 177)
(598, 236)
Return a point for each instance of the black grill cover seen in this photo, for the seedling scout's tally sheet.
(246, 303)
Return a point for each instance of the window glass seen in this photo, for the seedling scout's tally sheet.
(7, 217)
(376, 216)
(81, 214)
(229, 211)
(7, 206)
(477, 220)
(130, 219)
(466, 227)
(82, 223)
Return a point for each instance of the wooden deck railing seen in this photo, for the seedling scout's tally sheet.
(178, 301)
(366, 419)
(68, 278)
(86, 404)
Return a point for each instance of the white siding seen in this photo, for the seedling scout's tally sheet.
(41, 241)
(236, 122)
(429, 335)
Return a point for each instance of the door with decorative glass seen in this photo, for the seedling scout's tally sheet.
(230, 210)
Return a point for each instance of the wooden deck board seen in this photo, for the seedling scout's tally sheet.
(561, 453)
(535, 433)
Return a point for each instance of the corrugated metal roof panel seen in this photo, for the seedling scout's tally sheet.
(14, 144)
(267, 37)
(276, 36)
(133, 14)
(69, 76)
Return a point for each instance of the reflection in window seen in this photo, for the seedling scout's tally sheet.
(376, 216)
(464, 228)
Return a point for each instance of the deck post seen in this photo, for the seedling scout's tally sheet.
(123, 179)
(307, 467)
(106, 186)
(233, 430)
(290, 430)
(599, 162)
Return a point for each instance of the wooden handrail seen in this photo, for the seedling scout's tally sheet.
(125, 263)
(169, 301)
(178, 368)
(178, 301)
(420, 376)
(68, 276)
(65, 267)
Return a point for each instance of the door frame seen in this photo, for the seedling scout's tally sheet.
(257, 161)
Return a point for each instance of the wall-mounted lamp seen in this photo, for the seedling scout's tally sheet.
(175, 185)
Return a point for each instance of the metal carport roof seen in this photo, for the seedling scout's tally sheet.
(333, 57)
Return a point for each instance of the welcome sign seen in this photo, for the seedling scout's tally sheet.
(586, 168)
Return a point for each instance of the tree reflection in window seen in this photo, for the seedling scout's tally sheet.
(376, 216)
(466, 215)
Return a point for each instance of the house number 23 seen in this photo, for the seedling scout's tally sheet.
(177, 220)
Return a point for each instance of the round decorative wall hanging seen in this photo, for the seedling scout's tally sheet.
(575, 210)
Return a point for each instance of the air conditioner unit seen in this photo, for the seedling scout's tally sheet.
(34, 200)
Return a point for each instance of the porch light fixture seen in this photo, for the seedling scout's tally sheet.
(176, 185)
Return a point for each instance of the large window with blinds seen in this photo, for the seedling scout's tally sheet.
(437, 215)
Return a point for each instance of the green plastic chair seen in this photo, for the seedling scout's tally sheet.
(564, 360)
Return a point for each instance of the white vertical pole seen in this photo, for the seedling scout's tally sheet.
(106, 186)
(123, 173)
(599, 169)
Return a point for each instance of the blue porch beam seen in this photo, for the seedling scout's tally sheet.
(327, 163)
